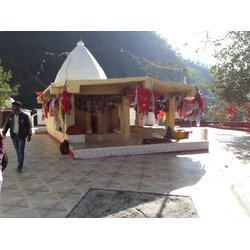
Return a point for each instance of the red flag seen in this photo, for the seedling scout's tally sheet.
(143, 100)
(64, 100)
(231, 110)
(40, 94)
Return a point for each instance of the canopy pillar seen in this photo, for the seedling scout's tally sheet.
(125, 122)
(139, 119)
(70, 119)
(171, 113)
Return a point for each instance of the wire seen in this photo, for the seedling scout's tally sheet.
(38, 80)
(149, 62)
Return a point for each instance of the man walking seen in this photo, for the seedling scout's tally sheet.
(20, 129)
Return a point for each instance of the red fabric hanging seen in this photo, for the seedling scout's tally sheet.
(64, 100)
(155, 98)
(40, 94)
(194, 107)
(143, 100)
(198, 98)
(45, 110)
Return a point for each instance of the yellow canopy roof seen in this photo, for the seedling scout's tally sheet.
(116, 85)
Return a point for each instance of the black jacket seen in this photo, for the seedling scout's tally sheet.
(24, 125)
(1, 149)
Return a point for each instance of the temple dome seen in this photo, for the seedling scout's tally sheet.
(80, 64)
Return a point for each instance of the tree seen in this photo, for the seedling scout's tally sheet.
(6, 91)
(232, 72)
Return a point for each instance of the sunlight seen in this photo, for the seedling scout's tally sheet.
(195, 46)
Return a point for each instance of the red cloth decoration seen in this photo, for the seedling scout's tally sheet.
(154, 108)
(45, 110)
(198, 98)
(231, 110)
(73, 130)
(64, 100)
(194, 107)
(40, 94)
(143, 100)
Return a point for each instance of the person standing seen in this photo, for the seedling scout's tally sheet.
(20, 128)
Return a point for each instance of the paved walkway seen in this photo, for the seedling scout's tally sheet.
(51, 184)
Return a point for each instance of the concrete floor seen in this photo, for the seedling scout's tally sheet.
(51, 184)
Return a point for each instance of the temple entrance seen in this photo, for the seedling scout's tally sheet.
(94, 125)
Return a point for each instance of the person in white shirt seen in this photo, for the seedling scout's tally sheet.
(20, 128)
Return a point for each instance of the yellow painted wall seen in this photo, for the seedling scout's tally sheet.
(141, 132)
(52, 129)
(115, 119)
(107, 123)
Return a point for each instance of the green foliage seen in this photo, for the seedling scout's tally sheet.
(6, 91)
(232, 73)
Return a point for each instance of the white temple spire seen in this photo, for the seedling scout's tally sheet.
(80, 64)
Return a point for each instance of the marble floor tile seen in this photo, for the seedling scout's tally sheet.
(51, 184)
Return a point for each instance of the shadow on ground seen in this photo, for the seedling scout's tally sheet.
(238, 145)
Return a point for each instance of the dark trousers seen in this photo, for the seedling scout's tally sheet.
(19, 145)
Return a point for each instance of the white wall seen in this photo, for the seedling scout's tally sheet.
(150, 119)
(132, 114)
(39, 117)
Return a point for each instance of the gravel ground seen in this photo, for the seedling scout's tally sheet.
(100, 203)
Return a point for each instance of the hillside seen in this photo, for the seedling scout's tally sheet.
(35, 57)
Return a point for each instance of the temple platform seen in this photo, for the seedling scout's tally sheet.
(105, 148)
(107, 145)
